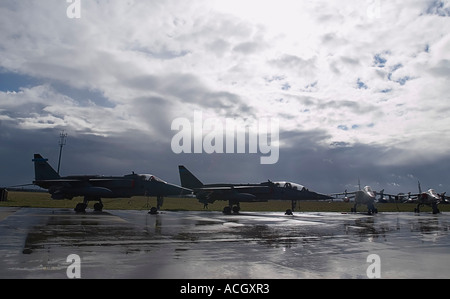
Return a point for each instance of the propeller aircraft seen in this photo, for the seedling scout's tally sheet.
(366, 196)
(429, 198)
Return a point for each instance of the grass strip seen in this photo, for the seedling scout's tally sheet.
(43, 200)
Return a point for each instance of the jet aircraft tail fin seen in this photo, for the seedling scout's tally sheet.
(188, 180)
(43, 170)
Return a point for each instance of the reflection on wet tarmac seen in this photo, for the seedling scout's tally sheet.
(134, 244)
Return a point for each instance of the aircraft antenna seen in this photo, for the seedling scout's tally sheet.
(62, 142)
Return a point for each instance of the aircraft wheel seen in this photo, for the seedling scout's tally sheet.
(436, 211)
(236, 210)
(352, 210)
(80, 208)
(227, 210)
(98, 207)
(288, 212)
(153, 211)
(416, 210)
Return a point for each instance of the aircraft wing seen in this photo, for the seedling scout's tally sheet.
(108, 180)
(404, 197)
(445, 198)
(78, 180)
(345, 196)
(88, 184)
(345, 193)
(59, 181)
(224, 188)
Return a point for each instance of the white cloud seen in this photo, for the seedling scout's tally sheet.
(41, 107)
(361, 78)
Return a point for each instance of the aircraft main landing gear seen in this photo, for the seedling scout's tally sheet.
(433, 206)
(81, 207)
(228, 210)
(371, 209)
(98, 207)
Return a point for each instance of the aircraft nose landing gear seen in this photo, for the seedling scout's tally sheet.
(290, 212)
(153, 211)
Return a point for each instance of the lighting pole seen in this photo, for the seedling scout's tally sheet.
(62, 142)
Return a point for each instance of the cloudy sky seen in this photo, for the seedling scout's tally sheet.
(360, 88)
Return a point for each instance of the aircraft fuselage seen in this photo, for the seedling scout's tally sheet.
(109, 186)
(365, 196)
(256, 192)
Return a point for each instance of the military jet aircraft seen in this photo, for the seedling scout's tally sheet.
(95, 187)
(366, 196)
(237, 193)
(430, 198)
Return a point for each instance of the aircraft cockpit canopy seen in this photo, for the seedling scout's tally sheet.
(289, 185)
(433, 193)
(369, 191)
(149, 177)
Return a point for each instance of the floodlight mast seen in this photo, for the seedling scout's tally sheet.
(62, 142)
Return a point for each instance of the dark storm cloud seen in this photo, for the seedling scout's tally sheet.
(86, 154)
(186, 88)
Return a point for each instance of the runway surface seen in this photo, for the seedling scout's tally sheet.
(42, 243)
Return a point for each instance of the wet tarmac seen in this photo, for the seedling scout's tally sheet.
(58, 243)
